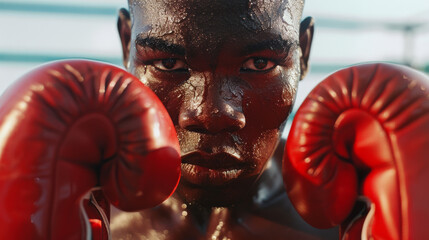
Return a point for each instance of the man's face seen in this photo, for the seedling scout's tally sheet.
(227, 72)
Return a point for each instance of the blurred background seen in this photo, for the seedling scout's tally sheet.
(33, 32)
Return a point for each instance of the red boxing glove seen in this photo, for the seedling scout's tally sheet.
(70, 126)
(364, 131)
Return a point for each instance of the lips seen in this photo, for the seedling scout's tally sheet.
(200, 168)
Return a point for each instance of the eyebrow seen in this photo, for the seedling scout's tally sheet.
(276, 44)
(160, 44)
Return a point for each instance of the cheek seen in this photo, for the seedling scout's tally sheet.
(267, 104)
(168, 92)
(261, 146)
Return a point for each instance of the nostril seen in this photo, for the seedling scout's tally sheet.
(232, 129)
(191, 122)
(196, 128)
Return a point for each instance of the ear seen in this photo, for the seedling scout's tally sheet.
(306, 32)
(124, 29)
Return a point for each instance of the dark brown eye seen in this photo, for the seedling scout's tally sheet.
(170, 64)
(260, 63)
(257, 64)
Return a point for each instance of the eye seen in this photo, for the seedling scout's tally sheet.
(170, 64)
(257, 65)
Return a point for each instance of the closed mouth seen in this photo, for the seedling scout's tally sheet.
(200, 168)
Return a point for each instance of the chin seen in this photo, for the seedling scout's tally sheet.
(228, 195)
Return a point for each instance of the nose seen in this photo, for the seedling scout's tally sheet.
(213, 106)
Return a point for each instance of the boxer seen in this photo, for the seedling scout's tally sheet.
(227, 73)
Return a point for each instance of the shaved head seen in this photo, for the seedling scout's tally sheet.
(260, 12)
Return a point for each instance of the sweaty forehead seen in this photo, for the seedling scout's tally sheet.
(209, 23)
(252, 14)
